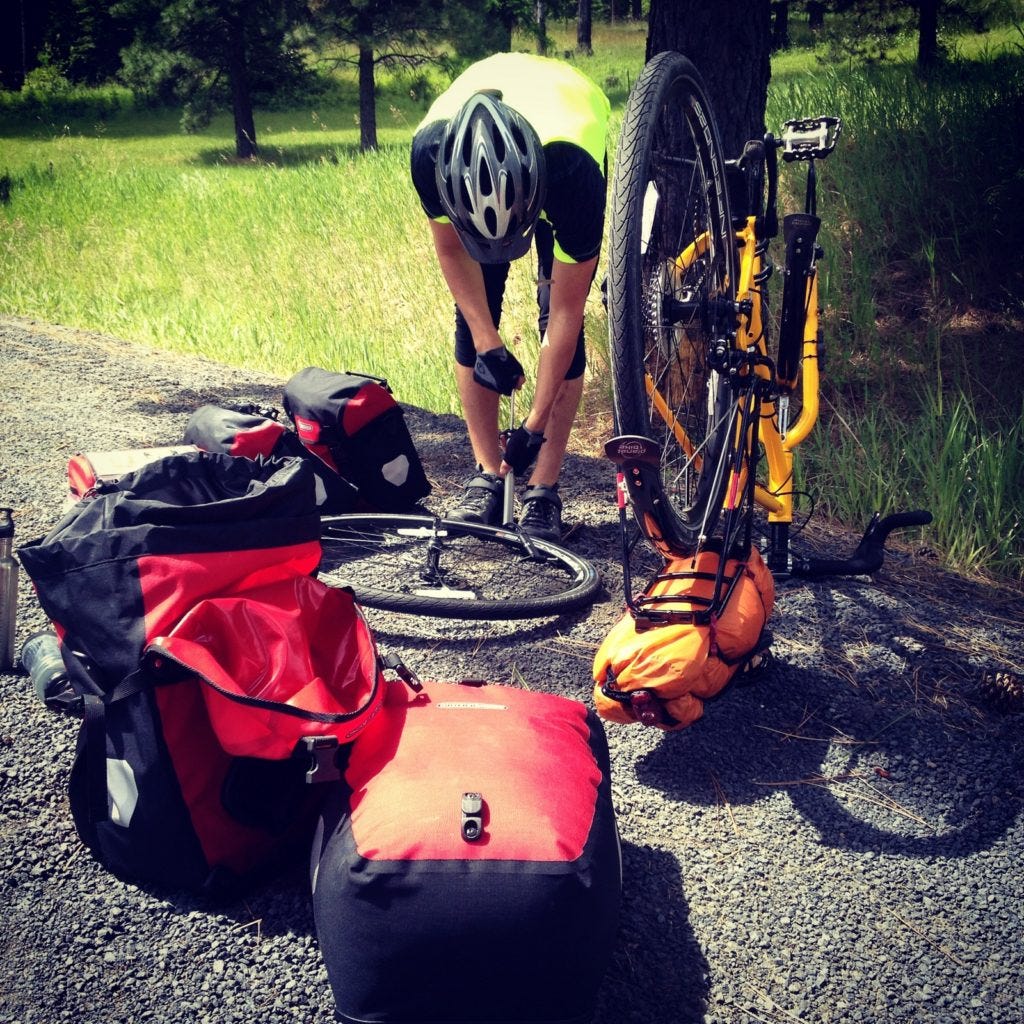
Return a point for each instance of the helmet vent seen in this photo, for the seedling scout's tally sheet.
(484, 182)
(499, 143)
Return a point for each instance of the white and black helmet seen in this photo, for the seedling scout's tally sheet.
(490, 176)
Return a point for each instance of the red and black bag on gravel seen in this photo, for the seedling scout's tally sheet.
(353, 423)
(467, 868)
(211, 667)
(254, 433)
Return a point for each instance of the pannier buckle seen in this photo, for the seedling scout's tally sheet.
(323, 765)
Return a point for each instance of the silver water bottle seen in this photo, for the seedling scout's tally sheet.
(8, 589)
(42, 660)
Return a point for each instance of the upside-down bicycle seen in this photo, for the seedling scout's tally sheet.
(708, 411)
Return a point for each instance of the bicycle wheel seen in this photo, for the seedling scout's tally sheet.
(671, 291)
(426, 566)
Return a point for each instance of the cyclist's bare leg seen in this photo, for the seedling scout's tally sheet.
(559, 426)
(480, 408)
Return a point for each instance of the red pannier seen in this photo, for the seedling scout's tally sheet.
(468, 867)
(208, 663)
(353, 423)
(253, 433)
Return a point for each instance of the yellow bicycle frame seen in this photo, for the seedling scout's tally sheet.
(775, 493)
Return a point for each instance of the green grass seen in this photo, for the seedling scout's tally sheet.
(944, 458)
(317, 255)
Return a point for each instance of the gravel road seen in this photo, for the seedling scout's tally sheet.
(837, 842)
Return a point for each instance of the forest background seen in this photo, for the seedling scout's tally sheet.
(230, 178)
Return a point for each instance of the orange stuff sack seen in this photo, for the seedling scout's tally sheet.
(662, 674)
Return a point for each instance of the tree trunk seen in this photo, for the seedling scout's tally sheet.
(927, 34)
(815, 15)
(780, 25)
(729, 42)
(241, 101)
(636, 9)
(542, 27)
(367, 100)
(504, 16)
(584, 22)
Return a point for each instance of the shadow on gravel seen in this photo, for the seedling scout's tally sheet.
(658, 973)
(281, 904)
(889, 774)
(186, 401)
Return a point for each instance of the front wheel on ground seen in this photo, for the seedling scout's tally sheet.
(422, 565)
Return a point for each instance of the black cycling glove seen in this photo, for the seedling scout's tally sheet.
(521, 448)
(498, 370)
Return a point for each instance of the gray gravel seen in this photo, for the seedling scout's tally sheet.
(840, 841)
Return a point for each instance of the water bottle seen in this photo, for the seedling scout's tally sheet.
(42, 660)
(8, 589)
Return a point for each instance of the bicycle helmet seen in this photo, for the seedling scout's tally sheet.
(491, 179)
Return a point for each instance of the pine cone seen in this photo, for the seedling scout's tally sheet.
(1002, 691)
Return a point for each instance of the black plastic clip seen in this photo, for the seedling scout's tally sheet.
(646, 707)
(472, 817)
(399, 667)
(323, 762)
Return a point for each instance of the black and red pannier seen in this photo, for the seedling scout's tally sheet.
(208, 662)
(352, 422)
(468, 869)
(254, 433)
(88, 470)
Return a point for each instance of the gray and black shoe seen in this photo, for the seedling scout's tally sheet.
(480, 502)
(542, 513)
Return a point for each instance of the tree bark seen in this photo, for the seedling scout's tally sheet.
(780, 25)
(729, 42)
(241, 100)
(367, 100)
(815, 15)
(584, 25)
(927, 34)
(542, 27)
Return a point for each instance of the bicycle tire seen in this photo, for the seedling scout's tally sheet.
(671, 291)
(481, 572)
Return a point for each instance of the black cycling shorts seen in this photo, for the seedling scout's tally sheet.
(495, 276)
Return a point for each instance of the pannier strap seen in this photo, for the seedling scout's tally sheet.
(94, 733)
(94, 725)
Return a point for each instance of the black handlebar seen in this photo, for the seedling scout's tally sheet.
(870, 552)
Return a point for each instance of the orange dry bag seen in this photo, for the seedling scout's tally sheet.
(662, 674)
